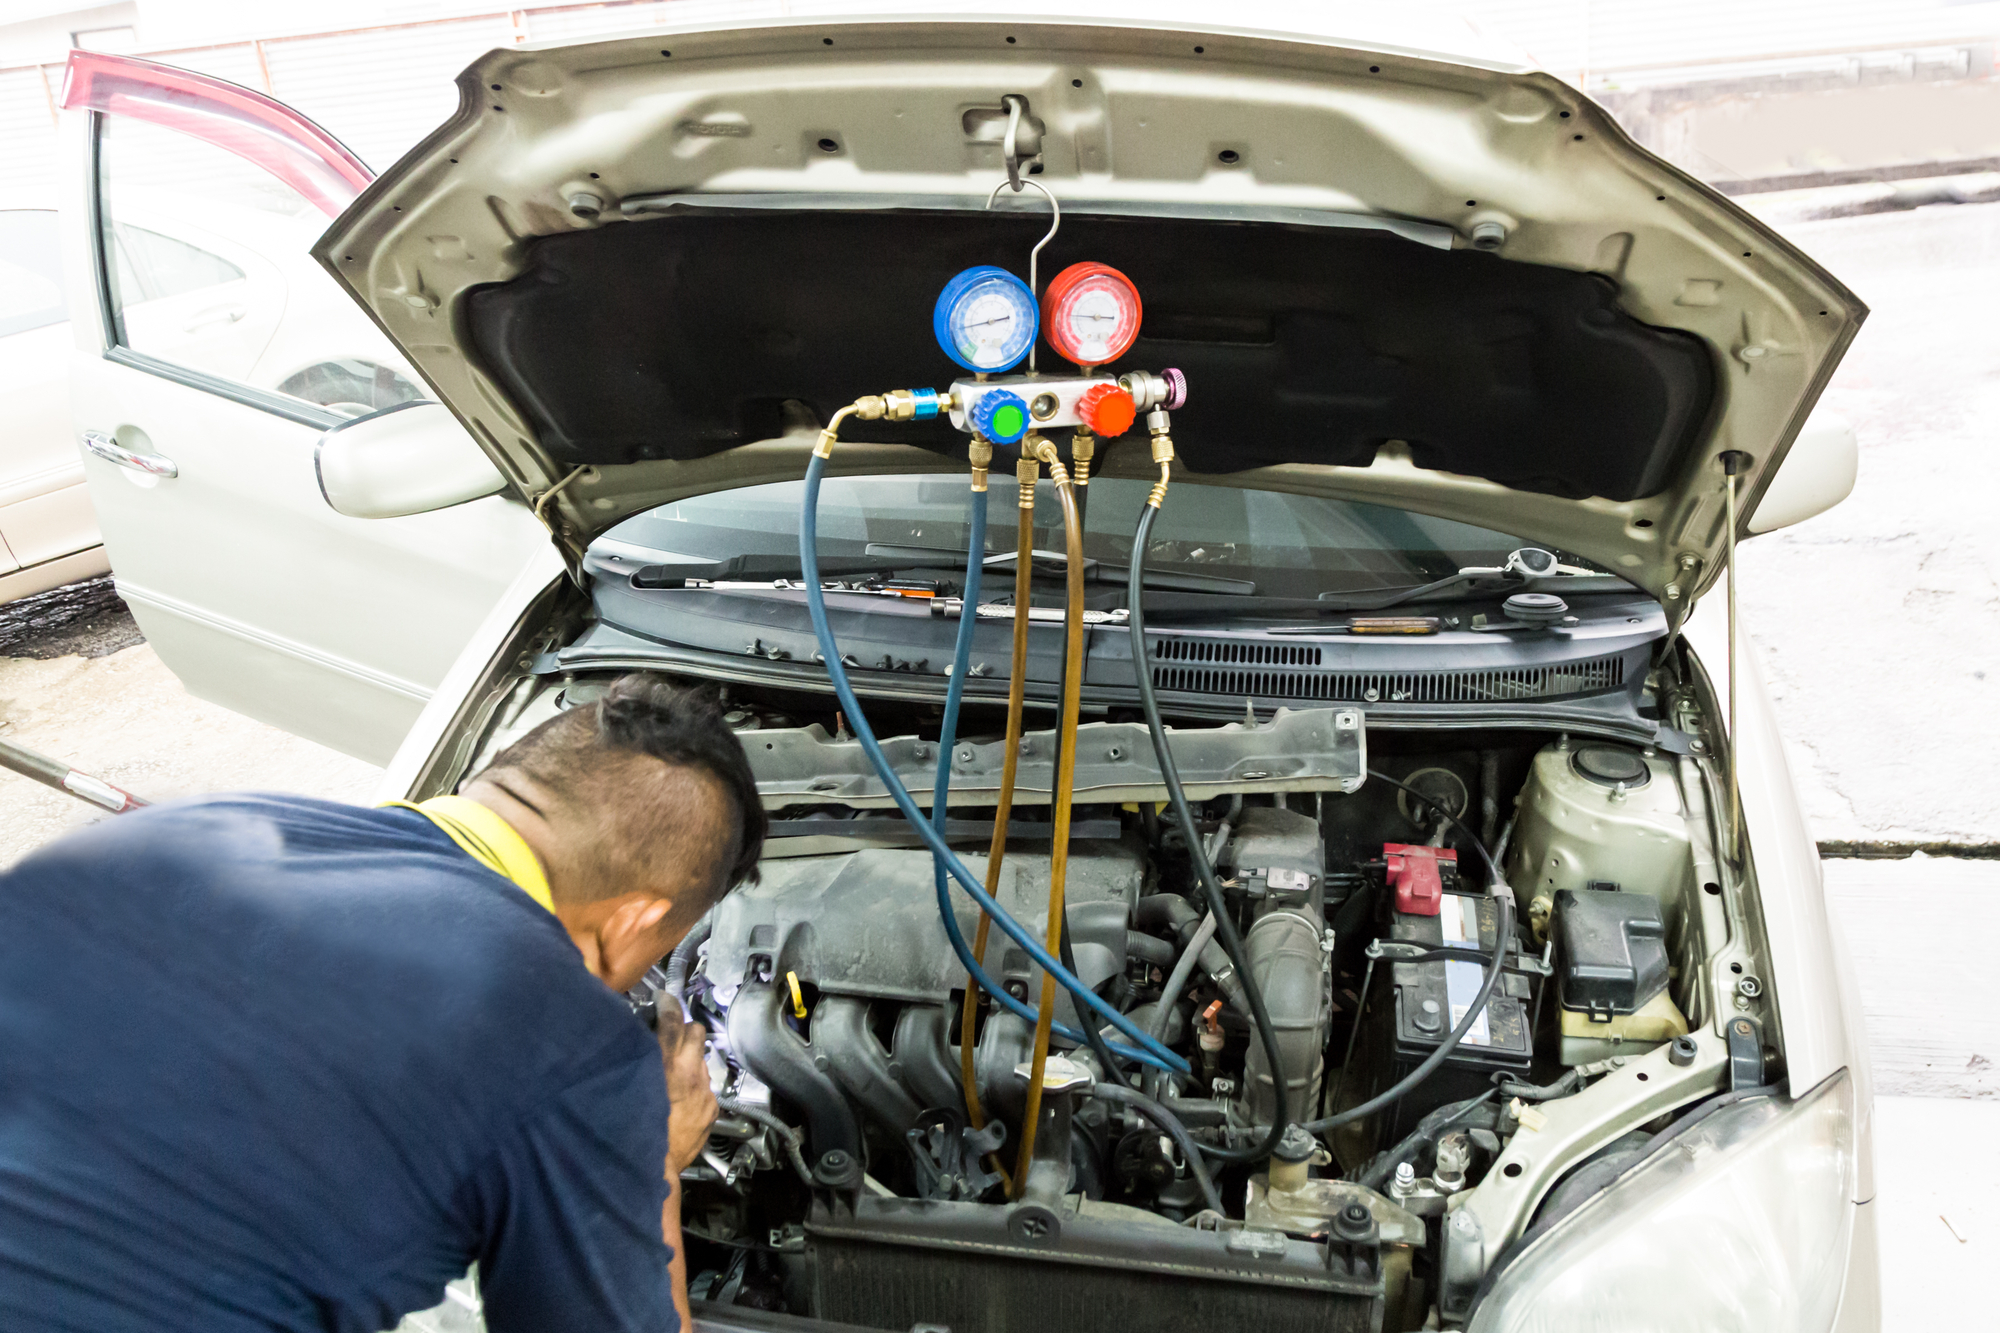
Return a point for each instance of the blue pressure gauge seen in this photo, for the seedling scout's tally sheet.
(986, 319)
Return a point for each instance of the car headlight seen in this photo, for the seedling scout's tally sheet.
(1741, 1222)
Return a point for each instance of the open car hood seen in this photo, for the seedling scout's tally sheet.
(650, 267)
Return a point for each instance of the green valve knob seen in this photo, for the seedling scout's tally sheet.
(1000, 416)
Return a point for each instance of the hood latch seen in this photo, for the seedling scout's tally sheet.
(1010, 125)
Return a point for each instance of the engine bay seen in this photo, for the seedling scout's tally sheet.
(849, 1181)
(1306, 1019)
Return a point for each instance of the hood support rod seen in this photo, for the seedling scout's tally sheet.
(1733, 463)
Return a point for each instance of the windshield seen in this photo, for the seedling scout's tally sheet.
(1288, 545)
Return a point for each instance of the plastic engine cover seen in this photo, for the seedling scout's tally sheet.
(866, 923)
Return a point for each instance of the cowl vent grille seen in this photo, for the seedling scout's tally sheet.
(1178, 669)
(1227, 652)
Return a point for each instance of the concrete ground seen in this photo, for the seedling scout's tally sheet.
(82, 686)
(1878, 629)
(1879, 622)
(1937, 1202)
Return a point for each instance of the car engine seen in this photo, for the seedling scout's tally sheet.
(858, 1172)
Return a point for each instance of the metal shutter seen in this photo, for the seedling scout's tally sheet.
(28, 128)
(580, 22)
(237, 63)
(381, 90)
(576, 23)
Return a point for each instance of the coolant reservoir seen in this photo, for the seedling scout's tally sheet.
(1597, 814)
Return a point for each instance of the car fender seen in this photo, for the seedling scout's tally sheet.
(1813, 979)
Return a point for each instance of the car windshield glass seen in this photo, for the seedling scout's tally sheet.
(1289, 545)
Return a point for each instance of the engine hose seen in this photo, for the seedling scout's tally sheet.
(1168, 1121)
(1154, 1053)
(1503, 935)
(1225, 927)
(1064, 795)
(1026, 473)
(1106, 1057)
(680, 963)
(787, 1137)
(1170, 994)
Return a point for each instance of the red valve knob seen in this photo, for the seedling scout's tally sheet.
(1107, 410)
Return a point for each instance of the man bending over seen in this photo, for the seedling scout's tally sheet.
(276, 1063)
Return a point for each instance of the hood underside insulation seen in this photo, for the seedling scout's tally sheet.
(684, 335)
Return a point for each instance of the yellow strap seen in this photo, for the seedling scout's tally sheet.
(487, 839)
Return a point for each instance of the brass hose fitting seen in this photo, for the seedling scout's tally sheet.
(1082, 448)
(899, 405)
(868, 409)
(1029, 474)
(1159, 424)
(980, 454)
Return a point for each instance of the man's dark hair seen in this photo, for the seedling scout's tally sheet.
(575, 755)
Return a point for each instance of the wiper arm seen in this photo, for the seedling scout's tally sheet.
(1380, 601)
(1528, 567)
(763, 568)
(1056, 562)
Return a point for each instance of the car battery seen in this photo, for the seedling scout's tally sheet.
(1418, 1004)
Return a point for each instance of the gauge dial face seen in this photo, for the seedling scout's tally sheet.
(985, 319)
(1091, 313)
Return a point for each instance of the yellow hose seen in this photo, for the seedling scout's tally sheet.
(1072, 702)
(1026, 472)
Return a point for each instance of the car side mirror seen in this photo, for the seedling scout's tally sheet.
(408, 459)
(1815, 476)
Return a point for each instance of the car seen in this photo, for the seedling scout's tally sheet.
(48, 535)
(227, 287)
(208, 353)
(1394, 424)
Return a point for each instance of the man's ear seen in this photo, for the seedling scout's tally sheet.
(628, 939)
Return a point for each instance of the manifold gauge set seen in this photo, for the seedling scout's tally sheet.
(987, 321)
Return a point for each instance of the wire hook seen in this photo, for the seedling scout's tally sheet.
(1034, 255)
(1010, 148)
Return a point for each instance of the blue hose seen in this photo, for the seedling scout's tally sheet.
(1152, 1052)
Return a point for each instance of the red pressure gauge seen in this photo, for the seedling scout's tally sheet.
(1090, 314)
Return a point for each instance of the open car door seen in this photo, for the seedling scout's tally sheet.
(211, 355)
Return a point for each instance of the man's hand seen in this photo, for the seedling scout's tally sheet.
(688, 1092)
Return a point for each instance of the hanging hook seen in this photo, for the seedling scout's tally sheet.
(1034, 255)
(1010, 146)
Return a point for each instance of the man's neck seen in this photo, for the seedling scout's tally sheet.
(516, 801)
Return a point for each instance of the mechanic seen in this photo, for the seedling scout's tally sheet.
(276, 1063)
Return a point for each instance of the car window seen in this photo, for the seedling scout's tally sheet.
(151, 266)
(31, 285)
(207, 266)
(1290, 545)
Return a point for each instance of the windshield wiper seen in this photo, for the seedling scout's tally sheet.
(1055, 563)
(1525, 568)
(768, 568)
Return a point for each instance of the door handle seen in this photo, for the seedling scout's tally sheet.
(108, 449)
(222, 314)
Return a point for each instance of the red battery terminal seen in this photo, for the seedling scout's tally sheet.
(1413, 874)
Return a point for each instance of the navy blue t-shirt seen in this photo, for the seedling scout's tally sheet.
(274, 1063)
